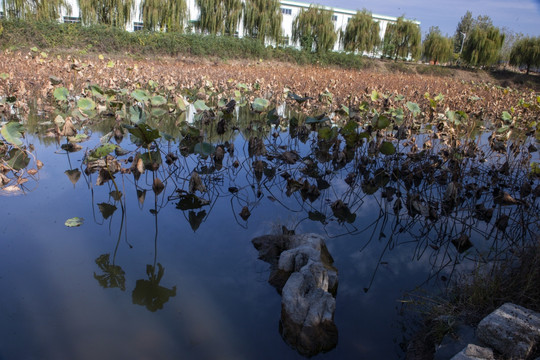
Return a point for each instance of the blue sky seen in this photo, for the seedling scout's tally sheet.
(518, 16)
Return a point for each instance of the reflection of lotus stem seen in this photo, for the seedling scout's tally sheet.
(114, 182)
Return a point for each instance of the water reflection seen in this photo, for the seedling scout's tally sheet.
(302, 272)
(454, 201)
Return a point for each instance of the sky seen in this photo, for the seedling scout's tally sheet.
(518, 16)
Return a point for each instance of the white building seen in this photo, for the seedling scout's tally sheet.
(289, 10)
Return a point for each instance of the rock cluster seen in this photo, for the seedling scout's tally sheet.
(511, 330)
(302, 272)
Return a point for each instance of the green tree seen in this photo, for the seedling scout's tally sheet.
(262, 19)
(164, 15)
(107, 12)
(510, 39)
(41, 10)
(219, 16)
(482, 46)
(437, 48)
(402, 39)
(314, 29)
(465, 27)
(526, 52)
(362, 33)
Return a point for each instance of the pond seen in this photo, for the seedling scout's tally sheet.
(158, 261)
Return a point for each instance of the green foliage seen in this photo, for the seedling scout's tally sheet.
(362, 33)
(314, 29)
(61, 94)
(526, 52)
(437, 48)
(482, 46)
(402, 39)
(40, 10)
(13, 133)
(102, 39)
(465, 27)
(164, 15)
(219, 16)
(262, 19)
(107, 12)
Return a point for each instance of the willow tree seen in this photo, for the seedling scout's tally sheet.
(437, 48)
(219, 16)
(402, 39)
(482, 46)
(164, 15)
(262, 19)
(314, 29)
(362, 33)
(526, 52)
(108, 12)
(41, 10)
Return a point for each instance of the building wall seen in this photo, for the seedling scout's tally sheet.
(290, 9)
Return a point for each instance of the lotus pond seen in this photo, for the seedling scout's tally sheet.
(127, 216)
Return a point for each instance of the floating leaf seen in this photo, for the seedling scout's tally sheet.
(13, 133)
(181, 103)
(506, 116)
(61, 94)
(151, 160)
(144, 133)
(140, 95)
(18, 159)
(387, 148)
(86, 104)
(78, 138)
(260, 104)
(137, 115)
(380, 122)
(74, 222)
(200, 105)
(158, 100)
(158, 112)
(414, 108)
(102, 151)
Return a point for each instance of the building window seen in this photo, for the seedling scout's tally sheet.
(72, 20)
(348, 19)
(284, 41)
(286, 11)
(1, 14)
(137, 26)
(334, 17)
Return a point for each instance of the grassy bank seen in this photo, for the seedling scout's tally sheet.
(19, 34)
(475, 295)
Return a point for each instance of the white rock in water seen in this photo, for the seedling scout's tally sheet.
(512, 330)
(474, 352)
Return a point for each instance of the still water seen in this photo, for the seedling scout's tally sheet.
(147, 278)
